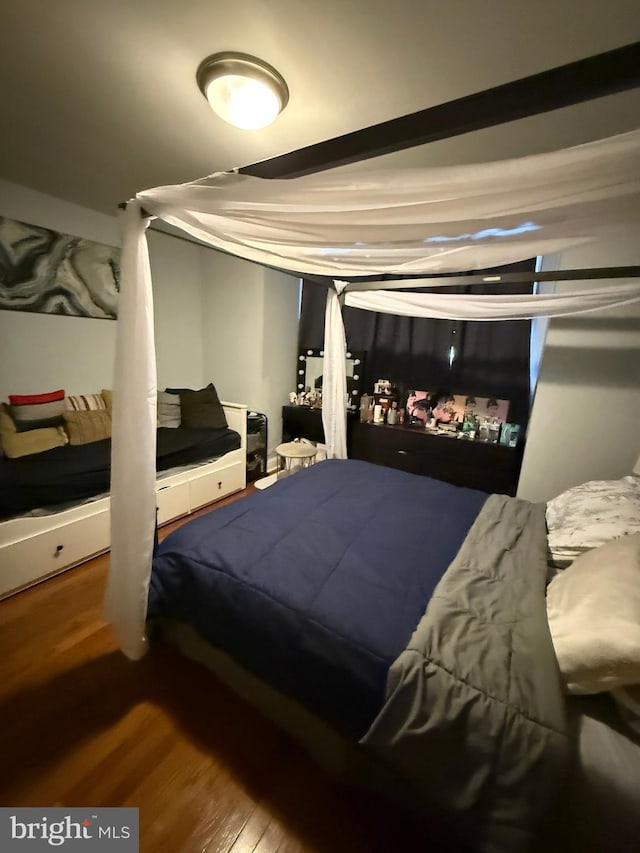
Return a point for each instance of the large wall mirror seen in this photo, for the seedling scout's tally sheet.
(309, 372)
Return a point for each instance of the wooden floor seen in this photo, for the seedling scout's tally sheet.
(80, 725)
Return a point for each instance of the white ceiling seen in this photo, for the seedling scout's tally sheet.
(99, 100)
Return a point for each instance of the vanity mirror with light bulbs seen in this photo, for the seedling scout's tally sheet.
(309, 373)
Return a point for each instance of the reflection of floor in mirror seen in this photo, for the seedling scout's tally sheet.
(265, 482)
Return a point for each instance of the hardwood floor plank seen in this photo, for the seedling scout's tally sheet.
(272, 838)
(251, 833)
(209, 812)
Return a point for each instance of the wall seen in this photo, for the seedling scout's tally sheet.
(217, 318)
(177, 299)
(585, 422)
(40, 352)
(250, 334)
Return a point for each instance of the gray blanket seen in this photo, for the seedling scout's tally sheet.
(475, 716)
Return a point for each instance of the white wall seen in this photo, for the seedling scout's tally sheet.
(177, 299)
(250, 329)
(585, 422)
(217, 318)
(43, 352)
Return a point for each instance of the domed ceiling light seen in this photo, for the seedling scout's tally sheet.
(244, 91)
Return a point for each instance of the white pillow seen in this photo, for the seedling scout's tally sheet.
(591, 514)
(593, 608)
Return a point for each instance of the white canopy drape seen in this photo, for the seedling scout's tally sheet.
(414, 220)
(334, 380)
(133, 455)
(494, 306)
(334, 224)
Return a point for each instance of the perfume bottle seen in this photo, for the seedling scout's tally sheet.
(364, 408)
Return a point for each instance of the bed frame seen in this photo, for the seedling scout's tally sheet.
(35, 548)
(343, 759)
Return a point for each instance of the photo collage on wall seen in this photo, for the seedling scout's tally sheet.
(451, 409)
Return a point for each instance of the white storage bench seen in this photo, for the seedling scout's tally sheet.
(35, 548)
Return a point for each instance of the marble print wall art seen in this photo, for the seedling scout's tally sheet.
(51, 273)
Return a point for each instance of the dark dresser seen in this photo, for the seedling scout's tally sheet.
(475, 464)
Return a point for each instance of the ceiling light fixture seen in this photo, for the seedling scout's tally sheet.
(244, 91)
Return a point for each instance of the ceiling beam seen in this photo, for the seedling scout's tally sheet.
(597, 273)
(594, 77)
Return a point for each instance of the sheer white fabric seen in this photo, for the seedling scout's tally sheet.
(391, 222)
(334, 383)
(133, 457)
(494, 306)
(414, 220)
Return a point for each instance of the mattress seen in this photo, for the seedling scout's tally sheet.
(73, 473)
(316, 584)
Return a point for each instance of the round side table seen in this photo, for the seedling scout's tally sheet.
(291, 452)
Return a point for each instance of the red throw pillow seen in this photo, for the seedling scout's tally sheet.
(32, 399)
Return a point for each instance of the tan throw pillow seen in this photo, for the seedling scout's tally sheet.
(107, 396)
(16, 444)
(593, 609)
(86, 427)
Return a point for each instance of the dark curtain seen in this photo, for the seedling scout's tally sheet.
(492, 359)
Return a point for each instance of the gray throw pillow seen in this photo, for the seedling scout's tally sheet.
(169, 412)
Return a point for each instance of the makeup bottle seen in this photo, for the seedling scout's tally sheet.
(364, 408)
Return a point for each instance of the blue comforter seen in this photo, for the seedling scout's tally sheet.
(317, 583)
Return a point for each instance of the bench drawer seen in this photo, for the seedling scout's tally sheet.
(172, 502)
(29, 560)
(217, 484)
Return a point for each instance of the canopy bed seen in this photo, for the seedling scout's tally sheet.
(355, 580)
